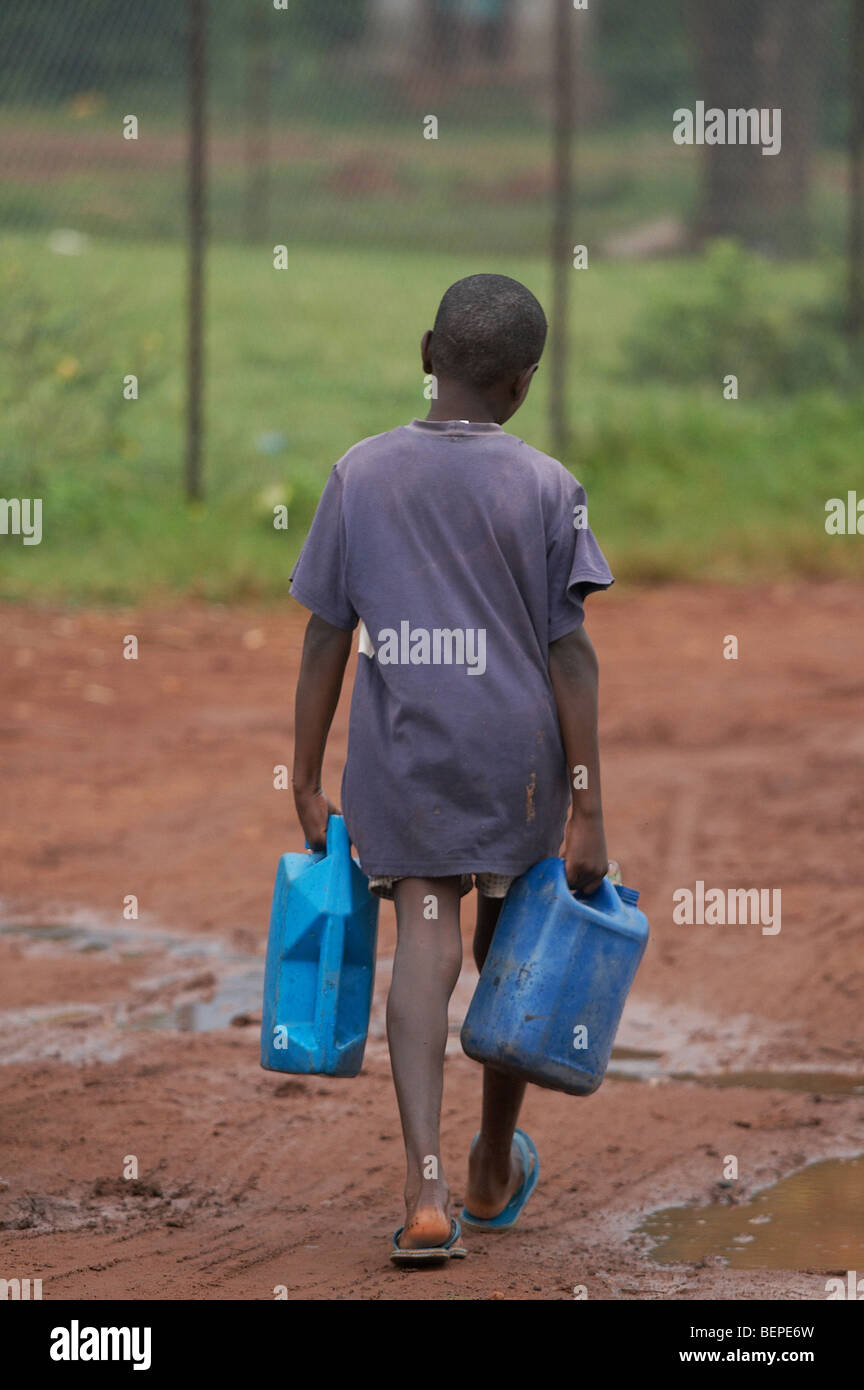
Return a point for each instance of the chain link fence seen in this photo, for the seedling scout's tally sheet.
(318, 117)
(409, 141)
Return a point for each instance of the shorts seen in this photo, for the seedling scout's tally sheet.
(490, 885)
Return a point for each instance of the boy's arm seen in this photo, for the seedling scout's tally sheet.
(573, 671)
(325, 654)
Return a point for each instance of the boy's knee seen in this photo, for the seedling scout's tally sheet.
(427, 913)
(451, 963)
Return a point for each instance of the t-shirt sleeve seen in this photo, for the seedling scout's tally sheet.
(575, 564)
(318, 577)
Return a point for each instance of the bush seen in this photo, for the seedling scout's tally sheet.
(730, 321)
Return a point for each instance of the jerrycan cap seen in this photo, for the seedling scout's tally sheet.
(630, 896)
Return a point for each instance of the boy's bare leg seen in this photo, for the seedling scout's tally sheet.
(494, 1166)
(425, 970)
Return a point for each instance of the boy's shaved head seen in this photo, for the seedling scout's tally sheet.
(488, 328)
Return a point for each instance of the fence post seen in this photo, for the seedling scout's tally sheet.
(257, 122)
(562, 62)
(856, 173)
(196, 80)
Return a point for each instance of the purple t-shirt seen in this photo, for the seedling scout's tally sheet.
(464, 553)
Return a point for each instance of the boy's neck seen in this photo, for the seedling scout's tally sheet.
(460, 403)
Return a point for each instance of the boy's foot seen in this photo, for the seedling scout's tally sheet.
(429, 1255)
(427, 1215)
(493, 1178)
(424, 1228)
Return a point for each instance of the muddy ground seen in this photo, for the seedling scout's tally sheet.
(155, 778)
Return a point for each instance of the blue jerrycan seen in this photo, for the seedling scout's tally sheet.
(320, 967)
(553, 986)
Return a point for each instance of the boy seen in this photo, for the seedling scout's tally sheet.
(465, 554)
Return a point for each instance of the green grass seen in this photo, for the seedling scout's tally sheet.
(480, 187)
(682, 484)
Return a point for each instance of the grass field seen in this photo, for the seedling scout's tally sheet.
(482, 186)
(303, 362)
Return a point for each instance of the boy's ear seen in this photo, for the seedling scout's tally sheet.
(519, 389)
(424, 351)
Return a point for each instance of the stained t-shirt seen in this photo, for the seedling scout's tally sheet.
(463, 552)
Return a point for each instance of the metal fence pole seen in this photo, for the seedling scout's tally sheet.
(856, 173)
(562, 61)
(196, 58)
(257, 101)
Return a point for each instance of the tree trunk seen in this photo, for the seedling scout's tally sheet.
(792, 59)
(763, 54)
(725, 35)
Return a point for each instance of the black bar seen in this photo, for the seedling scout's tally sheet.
(249, 1339)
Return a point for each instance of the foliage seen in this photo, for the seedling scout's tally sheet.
(729, 318)
(301, 364)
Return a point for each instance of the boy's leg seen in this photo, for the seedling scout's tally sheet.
(425, 970)
(494, 1166)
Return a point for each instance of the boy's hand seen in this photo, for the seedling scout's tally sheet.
(314, 810)
(585, 858)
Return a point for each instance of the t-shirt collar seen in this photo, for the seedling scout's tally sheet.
(456, 426)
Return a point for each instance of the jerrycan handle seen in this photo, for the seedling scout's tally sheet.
(603, 899)
(338, 841)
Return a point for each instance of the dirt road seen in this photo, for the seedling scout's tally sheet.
(154, 778)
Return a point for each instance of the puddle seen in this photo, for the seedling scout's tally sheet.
(128, 940)
(234, 996)
(818, 1082)
(812, 1219)
(656, 1045)
(637, 1064)
(51, 932)
(200, 984)
(634, 1064)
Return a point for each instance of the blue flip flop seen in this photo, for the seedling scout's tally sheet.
(513, 1210)
(450, 1250)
